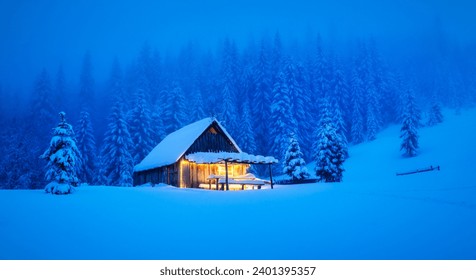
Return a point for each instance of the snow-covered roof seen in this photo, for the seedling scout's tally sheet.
(173, 147)
(202, 157)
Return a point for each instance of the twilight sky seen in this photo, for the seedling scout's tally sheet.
(46, 33)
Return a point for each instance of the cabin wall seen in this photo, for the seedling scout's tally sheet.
(165, 174)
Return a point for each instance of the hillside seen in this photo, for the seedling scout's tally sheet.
(373, 214)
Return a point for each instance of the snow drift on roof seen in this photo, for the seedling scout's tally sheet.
(176, 144)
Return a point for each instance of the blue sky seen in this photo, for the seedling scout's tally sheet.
(46, 33)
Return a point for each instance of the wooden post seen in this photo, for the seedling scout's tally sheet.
(271, 175)
(226, 175)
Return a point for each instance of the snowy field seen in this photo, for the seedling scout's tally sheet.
(372, 215)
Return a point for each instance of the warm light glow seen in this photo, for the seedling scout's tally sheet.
(181, 165)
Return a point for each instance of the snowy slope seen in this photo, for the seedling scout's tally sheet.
(372, 215)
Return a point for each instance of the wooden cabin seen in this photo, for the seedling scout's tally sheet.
(201, 154)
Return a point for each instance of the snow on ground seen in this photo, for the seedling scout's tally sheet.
(373, 214)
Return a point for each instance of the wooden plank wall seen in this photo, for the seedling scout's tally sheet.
(212, 140)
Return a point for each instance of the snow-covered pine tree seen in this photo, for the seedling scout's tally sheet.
(17, 168)
(410, 125)
(340, 94)
(294, 164)
(435, 116)
(117, 160)
(87, 147)
(282, 121)
(357, 125)
(141, 128)
(321, 72)
(228, 88)
(245, 134)
(196, 103)
(174, 115)
(62, 156)
(373, 114)
(157, 123)
(339, 123)
(301, 104)
(328, 151)
(261, 100)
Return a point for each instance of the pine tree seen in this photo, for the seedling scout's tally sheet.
(410, 125)
(435, 116)
(357, 125)
(141, 128)
(62, 156)
(86, 144)
(300, 102)
(17, 167)
(338, 121)
(321, 72)
(157, 124)
(117, 160)
(282, 121)
(229, 82)
(294, 164)
(373, 114)
(261, 100)
(341, 97)
(174, 115)
(328, 152)
(245, 134)
(197, 104)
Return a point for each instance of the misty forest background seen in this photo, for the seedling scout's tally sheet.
(261, 92)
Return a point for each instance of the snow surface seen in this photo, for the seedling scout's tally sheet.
(373, 214)
(169, 150)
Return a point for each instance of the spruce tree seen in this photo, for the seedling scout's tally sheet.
(229, 82)
(435, 116)
(338, 121)
(141, 128)
(86, 144)
(328, 152)
(62, 156)
(282, 121)
(410, 125)
(294, 164)
(196, 103)
(117, 160)
(357, 125)
(373, 114)
(246, 138)
(157, 125)
(300, 102)
(261, 99)
(174, 115)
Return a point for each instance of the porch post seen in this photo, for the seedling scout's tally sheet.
(271, 175)
(226, 175)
